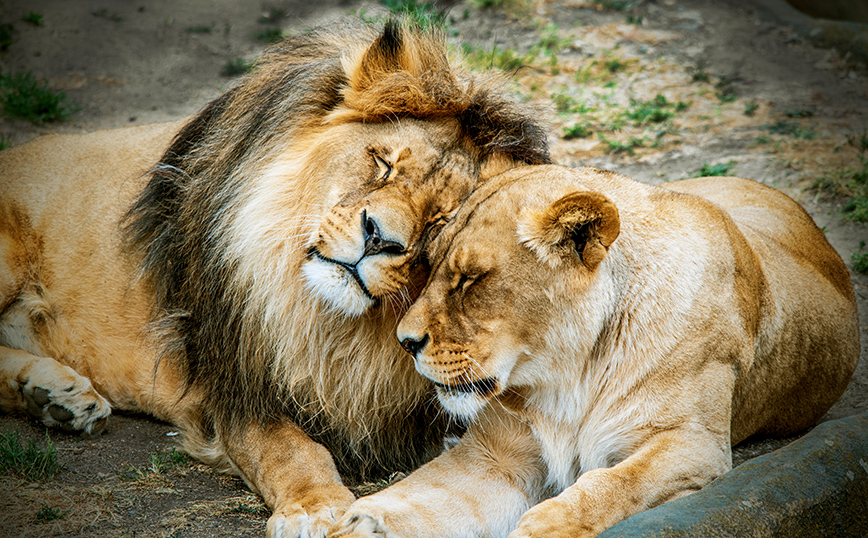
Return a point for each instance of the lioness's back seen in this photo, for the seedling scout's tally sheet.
(791, 250)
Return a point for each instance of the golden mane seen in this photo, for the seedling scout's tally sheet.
(231, 308)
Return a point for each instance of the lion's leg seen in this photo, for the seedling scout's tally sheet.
(51, 392)
(481, 487)
(296, 477)
(669, 465)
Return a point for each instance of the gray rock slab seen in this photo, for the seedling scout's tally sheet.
(815, 486)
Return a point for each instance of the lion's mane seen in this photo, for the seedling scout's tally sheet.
(263, 349)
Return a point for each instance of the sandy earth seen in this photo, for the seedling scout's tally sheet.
(130, 63)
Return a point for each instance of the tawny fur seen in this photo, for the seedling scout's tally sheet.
(192, 270)
(608, 341)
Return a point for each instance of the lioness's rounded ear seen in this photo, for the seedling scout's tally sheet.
(581, 224)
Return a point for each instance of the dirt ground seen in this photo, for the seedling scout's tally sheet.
(738, 74)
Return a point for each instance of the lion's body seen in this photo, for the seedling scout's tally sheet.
(240, 274)
(64, 289)
(609, 341)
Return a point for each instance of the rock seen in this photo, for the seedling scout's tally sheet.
(815, 486)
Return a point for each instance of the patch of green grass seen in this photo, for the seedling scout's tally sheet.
(720, 169)
(751, 107)
(860, 259)
(791, 128)
(654, 111)
(564, 103)
(200, 29)
(269, 35)
(550, 43)
(850, 182)
(5, 142)
(425, 14)
(699, 73)
(616, 146)
(106, 14)
(23, 97)
(614, 65)
(31, 461)
(799, 113)
(164, 461)
(857, 209)
(235, 67)
(159, 463)
(48, 513)
(511, 6)
(6, 38)
(578, 130)
(504, 59)
(725, 91)
(615, 5)
(33, 18)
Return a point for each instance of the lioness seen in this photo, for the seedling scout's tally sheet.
(608, 341)
(240, 274)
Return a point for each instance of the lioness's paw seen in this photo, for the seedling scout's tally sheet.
(59, 397)
(311, 523)
(553, 519)
(361, 525)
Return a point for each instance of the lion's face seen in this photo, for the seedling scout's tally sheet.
(514, 268)
(390, 186)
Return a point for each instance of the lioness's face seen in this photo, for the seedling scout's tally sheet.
(510, 270)
(390, 185)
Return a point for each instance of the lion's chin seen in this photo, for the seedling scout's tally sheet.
(463, 406)
(336, 287)
(466, 401)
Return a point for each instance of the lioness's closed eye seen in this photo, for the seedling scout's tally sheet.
(608, 341)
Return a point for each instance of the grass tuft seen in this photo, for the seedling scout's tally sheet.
(425, 14)
(507, 60)
(654, 111)
(850, 182)
(269, 35)
(200, 29)
(30, 461)
(236, 67)
(48, 513)
(23, 97)
(579, 130)
(860, 259)
(720, 169)
(33, 18)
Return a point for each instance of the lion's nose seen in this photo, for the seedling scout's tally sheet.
(374, 241)
(414, 346)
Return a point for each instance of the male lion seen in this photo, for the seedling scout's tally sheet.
(241, 275)
(608, 342)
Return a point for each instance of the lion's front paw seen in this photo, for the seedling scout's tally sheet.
(59, 397)
(301, 523)
(362, 525)
(553, 519)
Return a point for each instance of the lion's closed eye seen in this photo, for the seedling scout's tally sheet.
(384, 166)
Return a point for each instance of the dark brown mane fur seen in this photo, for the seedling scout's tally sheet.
(174, 228)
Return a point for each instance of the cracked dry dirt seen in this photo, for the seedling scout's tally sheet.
(739, 91)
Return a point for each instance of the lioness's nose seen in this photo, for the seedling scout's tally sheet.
(374, 241)
(414, 346)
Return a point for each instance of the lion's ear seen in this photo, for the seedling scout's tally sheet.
(382, 57)
(582, 224)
